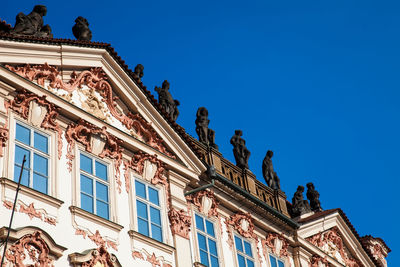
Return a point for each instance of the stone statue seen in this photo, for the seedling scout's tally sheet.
(313, 197)
(167, 102)
(270, 176)
(32, 24)
(240, 151)
(299, 205)
(206, 135)
(138, 72)
(81, 29)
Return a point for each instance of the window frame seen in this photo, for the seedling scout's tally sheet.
(215, 238)
(148, 204)
(50, 156)
(95, 179)
(276, 259)
(237, 252)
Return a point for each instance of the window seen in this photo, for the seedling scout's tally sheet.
(244, 252)
(94, 186)
(35, 145)
(148, 211)
(275, 262)
(207, 242)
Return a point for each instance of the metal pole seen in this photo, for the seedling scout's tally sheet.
(12, 212)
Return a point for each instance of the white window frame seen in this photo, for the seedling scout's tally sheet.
(276, 259)
(148, 203)
(242, 253)
(207, 236)
(95, 179)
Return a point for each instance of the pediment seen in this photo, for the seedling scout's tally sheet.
(97, 93)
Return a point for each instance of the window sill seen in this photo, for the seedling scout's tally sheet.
(52, 201)
(75, 211)
(151, 242)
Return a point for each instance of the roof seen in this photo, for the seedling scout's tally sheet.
(324, 213)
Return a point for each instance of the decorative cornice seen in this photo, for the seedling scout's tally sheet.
(180, 222)
(21, 105)
(96, 79)
(82, 132)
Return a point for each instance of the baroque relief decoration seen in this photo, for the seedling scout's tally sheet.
(377, 248)
(317, 261)
(38, 111)
(180, 222)
(96, 80)
(97, 141)
(205, 201)
(99, 257)
(31, 211)
(96, 238)
(331, 243)
(3, 138)
(277, 244)
(151, 258)
(30, 250)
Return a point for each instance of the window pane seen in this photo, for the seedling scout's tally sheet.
(250, 263)
(241, 261)
(102, 209)
(19, 156)
(24, 178)
(214, 262)
(204, 258)
(40, 142)
(281, 264)
(155, 216)
(140, 189)
(87, 203)
(40, 183)
(247, 248)
(23, 134)
(156, 232)
(141, 210)
(143, 227)
(102, 192)
(86, 185)
(272, 259)
(199, 223)
(153, 196)
(238, 244)
(212, 246)
(202, 241)
(210, 228)
(101, 171)
(86, 164)
(40, 164)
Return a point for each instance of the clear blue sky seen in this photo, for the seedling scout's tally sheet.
(317, 82)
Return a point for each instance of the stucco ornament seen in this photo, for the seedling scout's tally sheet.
(37, 111)
(205, 201)
(277, 243)
(377, 248)
(180, 222)
(317, 261)
(331, 243)
(30, 250)
(31, 211)
(101, 258)
(242, 223)
(101, 92)
(97, 141)
(4, 134)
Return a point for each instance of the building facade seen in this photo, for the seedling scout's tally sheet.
(111, 180)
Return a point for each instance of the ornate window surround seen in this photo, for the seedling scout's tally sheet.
(252, 243)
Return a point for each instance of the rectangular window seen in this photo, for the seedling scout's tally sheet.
(148, 211)
(94, 186)
(35, 145)
(275, 262)
(207, 242)
(244, 252)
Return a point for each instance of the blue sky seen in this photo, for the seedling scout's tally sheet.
(315, 81)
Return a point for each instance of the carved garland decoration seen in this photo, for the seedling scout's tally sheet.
(332, 236)
(21, 105)
(3, 138)
(34, 246)
(151, 258)
(31, 211)
(200, 200)
(100, 257)
(84, 132)
(95, 79)
(96, 238)
(316, 260)
(180, 222)
(271, 242)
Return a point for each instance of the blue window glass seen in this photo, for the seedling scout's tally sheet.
(206, 241)
(94, 188)
(281, 264)
(34, 146)
(148, 211)
(275, 262)
(244, 252)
